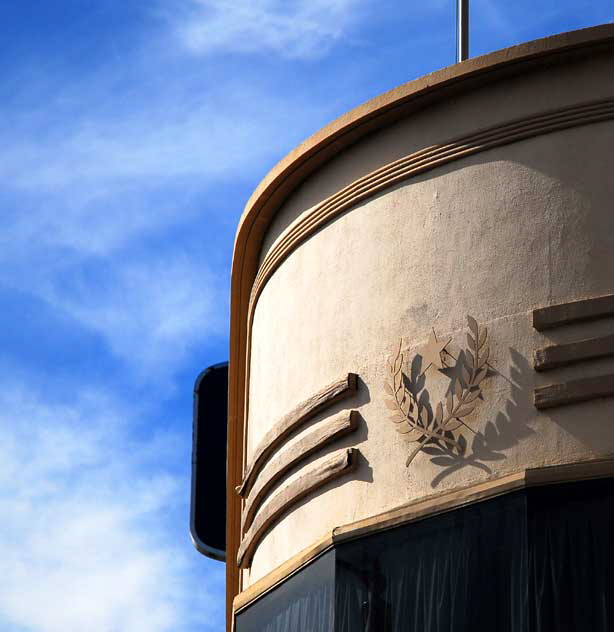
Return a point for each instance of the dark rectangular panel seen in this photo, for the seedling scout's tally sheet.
(208, 503)
(305, 602)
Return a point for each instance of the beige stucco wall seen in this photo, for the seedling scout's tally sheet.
(494, 235)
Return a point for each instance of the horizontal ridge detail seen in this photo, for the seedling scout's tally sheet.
(574, 391)
(561, 355)
(573, 312)
(419, 162)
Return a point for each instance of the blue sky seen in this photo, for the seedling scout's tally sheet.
(132, 134)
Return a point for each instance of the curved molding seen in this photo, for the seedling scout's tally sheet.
(426, 508)
(278, 467)
(418, 163)
(281, 430)
(334, 466)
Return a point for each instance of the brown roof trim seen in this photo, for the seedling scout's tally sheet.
(283, 179)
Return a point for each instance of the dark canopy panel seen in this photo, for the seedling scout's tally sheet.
(305, 602)
(208, 507)
(463, 570)
(536, 560)
(571, 572)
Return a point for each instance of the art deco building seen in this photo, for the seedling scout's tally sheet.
(421, 376)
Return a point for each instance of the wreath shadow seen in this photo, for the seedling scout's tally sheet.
(488, 445)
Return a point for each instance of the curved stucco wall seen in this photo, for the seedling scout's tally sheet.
(497, 102)
(494, 234)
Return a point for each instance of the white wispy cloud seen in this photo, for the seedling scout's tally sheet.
(97, 191)
(216, 136)
(152, 312)
(151, 309)
(85, 541)
(96, 195)
(303, 29)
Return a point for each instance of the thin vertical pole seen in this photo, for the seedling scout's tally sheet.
(462, 30)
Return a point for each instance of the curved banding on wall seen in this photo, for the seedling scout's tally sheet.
(282, 429)
(423, 161)
(328, 470)
(279, 466)
(483, 189)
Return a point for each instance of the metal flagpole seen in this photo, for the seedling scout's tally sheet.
(462, 30)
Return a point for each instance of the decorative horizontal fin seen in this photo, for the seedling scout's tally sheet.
(574, 391)
(561, 355)
(575, 311)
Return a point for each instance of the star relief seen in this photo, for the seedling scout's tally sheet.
(438, 425)
(432, 352)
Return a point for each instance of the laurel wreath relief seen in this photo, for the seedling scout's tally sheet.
(414, 419)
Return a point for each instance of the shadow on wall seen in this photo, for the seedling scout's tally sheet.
(364, 472)
(451, 450)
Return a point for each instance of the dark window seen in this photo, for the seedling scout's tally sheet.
(536, 560)
(304, 602)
